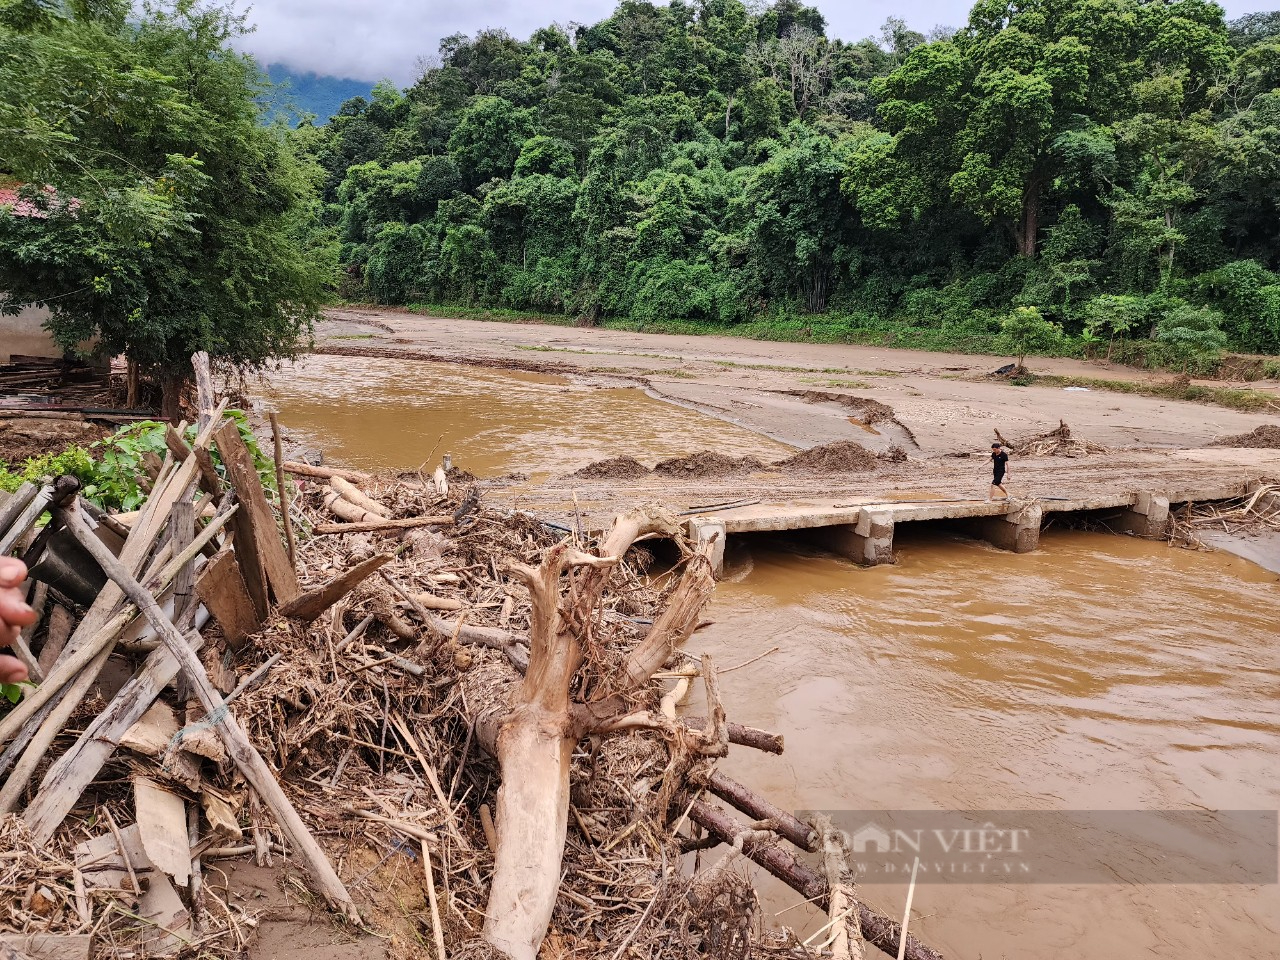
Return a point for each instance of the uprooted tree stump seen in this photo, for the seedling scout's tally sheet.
(534, 738)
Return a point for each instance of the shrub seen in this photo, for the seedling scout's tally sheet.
(1191, 333)
(1027, 331)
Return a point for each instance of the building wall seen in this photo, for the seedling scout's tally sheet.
(23, 334)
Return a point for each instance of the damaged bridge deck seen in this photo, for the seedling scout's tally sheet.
(855, 515)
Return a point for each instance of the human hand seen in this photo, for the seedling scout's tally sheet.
(14, 615)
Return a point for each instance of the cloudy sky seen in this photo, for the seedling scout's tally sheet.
(376, 39)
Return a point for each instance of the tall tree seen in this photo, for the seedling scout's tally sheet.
(171, 218)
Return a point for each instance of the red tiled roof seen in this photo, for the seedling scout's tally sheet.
(10, 196)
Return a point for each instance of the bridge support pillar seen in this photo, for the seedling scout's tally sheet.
(1018, 530)
(869, 542)
(704, 530)
(1148, 517)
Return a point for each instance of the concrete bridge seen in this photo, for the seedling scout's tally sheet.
(856, 515)
(864, 531)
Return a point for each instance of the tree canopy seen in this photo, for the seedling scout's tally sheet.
(704, 162)
(162, 215)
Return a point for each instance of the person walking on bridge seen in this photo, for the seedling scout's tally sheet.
(999, 471)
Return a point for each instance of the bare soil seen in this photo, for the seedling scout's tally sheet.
(22, 439)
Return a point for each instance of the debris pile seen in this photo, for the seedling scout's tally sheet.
(1259, 512)
(1265, 437)
(1056, 443)
(843, 456)
(372, 678)
(706, 463)
(614, 468)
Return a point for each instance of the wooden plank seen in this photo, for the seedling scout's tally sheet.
(151, 737)
(72, 773)
(311, 604)
(223, 590)
(256, 519)
(102, 865)
(162, 824)
(49, 946)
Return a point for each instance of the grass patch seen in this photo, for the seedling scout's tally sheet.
(353, 336)
(1248, 401)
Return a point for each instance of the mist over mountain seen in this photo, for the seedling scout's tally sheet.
(311, 92)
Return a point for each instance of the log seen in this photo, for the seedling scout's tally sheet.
(344, 509)
(430, 601)
(324, 473)
(239, 747)
(281, 497)
(222, 589)
(353, 494)
(374, 526)
(785, 824)
(263, 560)
(307, 606)
(877, 929)
(47, 495)
(205, 396)
(743, 736)
(17, 502)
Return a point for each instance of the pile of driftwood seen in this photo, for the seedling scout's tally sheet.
(382, 681)
(1056, 443)
(1258, 512)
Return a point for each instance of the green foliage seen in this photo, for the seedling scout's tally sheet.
(75, 461)
(720, 166)
(1192, 333)
(174, 219)
(1027, 331)
(111, 469)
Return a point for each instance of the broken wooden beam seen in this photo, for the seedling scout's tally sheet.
(374, 526)
(307, 606)
(222, 589)
(259, 549)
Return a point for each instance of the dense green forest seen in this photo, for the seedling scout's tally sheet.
(1111, 166)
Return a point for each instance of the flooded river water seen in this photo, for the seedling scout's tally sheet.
(395, 413)
(1098, 673)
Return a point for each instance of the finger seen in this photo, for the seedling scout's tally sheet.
(13, 609)
(12, 571)
(12, 670)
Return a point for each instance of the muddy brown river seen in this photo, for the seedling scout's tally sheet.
(396, 413)
(1098, 673)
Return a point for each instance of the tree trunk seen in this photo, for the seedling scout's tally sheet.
(1028, 228)
(131, 384)
(171, 397)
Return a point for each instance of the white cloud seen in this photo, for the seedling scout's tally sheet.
(377, 39)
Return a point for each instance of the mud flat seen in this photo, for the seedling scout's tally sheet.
(941, 398)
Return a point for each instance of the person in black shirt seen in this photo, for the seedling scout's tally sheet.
(999, 467)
